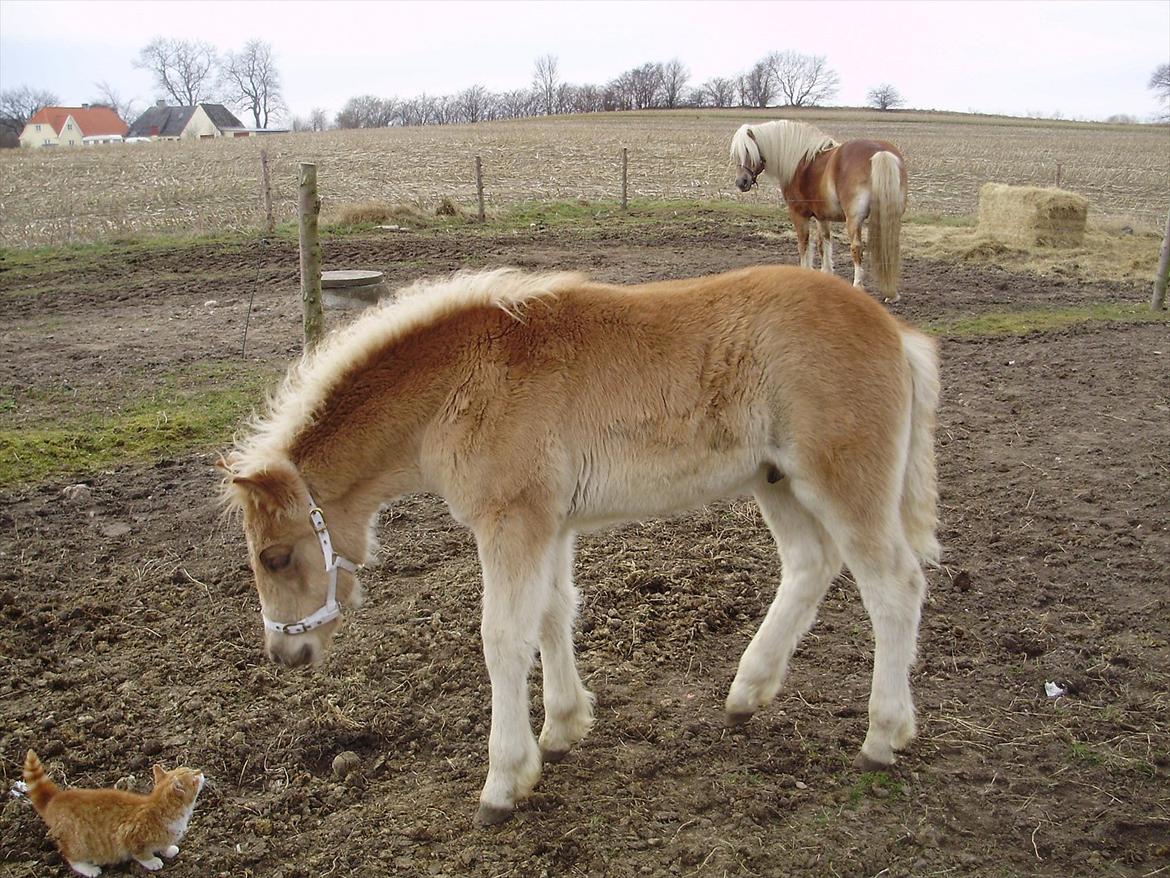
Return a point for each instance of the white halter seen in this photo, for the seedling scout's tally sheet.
(333, 561)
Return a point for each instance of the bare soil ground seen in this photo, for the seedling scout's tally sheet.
(130, 631)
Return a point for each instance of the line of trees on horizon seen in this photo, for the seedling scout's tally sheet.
(193, 71)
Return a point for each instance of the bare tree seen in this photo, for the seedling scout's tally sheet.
(718, 92)
(1160, 84)
(674, 79)
(367, 111)
(318, 119)
(758, 86)
(17, 106)
(471, 104)
(884, 97)
(544, 81)
(803, 80)
(182, 69)
(250, 80)
(107, 96)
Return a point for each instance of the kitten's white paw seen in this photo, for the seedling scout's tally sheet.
(89, 870)
(153, 864)
(171, 852)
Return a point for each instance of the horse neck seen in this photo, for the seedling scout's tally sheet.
(365, 449)
(789, 147)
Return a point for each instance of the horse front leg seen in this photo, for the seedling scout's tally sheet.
(825, 240)
(568, 705)
(800, 223)
(517, 584)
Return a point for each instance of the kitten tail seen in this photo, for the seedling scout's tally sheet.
(40, 789)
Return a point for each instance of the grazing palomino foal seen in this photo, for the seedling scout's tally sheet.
(538, 406)
(824, 180)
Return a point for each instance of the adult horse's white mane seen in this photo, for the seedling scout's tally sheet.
(782, 144)
(308, 383)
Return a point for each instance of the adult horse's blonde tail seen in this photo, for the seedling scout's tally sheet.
(887, 202)
(920, 483)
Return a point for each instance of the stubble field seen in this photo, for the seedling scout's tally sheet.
(54, 197)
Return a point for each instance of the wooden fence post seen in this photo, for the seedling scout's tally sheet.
(269, 217)
(1158, 302)
(625, 164)
(309, 208)
(479, 187)
(1059, 173)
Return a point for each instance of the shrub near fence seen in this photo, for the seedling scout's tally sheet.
(58, 196)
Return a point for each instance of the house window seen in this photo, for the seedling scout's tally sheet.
(69, 125)
(38, 129)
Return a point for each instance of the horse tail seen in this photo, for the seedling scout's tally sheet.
(885, 221)
(920, 483)
(40, 789)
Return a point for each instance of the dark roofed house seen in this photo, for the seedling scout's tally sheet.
(201, 121)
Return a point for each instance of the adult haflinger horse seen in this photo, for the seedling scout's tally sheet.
(542, 405)
(825, 181)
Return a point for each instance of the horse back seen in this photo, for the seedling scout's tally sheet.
(831, 182)
(630, 401)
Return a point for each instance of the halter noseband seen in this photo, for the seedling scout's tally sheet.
(754, 174)
(333, 561)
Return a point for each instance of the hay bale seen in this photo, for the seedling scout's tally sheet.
(1029, 216)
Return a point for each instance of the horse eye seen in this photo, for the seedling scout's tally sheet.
(276, 558)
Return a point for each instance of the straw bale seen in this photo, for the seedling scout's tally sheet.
(1029, 216)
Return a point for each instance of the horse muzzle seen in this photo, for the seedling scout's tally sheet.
(294, 652)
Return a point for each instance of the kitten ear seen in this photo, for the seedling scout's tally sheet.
(160, 774)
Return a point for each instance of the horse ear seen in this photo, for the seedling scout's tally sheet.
(274, 490)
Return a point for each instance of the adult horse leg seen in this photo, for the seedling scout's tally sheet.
(825, 239)
(568, 706)
(853, 227)
(809, 562)
(518, 559)
(800, 223)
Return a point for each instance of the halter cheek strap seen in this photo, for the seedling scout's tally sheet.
(333, 562)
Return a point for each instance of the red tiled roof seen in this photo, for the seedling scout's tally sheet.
(91, 120)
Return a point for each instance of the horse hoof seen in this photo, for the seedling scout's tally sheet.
(865, 763)
(492, 815)
(553, 756)
(737, 719)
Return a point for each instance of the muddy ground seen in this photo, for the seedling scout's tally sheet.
(130, 630)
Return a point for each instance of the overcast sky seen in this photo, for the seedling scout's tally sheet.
(1082, 59)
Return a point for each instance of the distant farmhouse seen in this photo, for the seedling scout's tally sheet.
(199, 122)
(73, 126)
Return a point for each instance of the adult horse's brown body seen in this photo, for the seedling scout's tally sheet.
(539, 406)
(825, 181)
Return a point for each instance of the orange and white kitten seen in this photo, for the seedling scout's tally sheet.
(95, 828)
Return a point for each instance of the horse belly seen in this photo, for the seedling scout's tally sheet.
(657, 485)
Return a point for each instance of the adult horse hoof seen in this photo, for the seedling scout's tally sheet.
(865, 763)
(492, 815)
(737, 719)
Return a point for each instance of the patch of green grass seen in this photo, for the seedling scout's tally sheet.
(870, 781)
(1044, 320)
(178, 414)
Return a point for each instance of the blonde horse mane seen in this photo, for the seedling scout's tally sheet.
(308, 383)
(783, 144)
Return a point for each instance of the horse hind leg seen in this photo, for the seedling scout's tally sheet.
(809, 563)
(853, 226)
(892, 588)
(568, 706)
